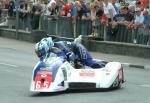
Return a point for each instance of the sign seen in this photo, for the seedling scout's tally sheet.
(87, 73)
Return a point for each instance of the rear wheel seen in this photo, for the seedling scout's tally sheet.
(116, 84)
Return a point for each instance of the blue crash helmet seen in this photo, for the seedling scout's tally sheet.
(41, 49)
(48, 41)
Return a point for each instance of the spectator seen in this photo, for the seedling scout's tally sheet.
(145, 3)
(23, 9)
(131, 9)
(140, 5)
(6, 3)
(122, 2)
(80, 10)
(36, 13)
(88, 11)
(139, 18)
(118, 19)
(76, 11)
(54, 8)
(146, 21)
(116, 5)
(129, 17)
(44, 5)
(138, 23)
(124, 18)
(1, 6)
(25, 14)
(83, 8)
(121, 16)
(11, 8)
(146, 26)
(109, 10)
(109, 13)
(64, 8)
(94, 19)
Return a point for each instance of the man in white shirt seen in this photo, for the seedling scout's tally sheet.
(139, 18)
(110, 12)
(138, 22)
(109, 9)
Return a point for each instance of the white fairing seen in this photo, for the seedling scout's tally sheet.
(103, 77)
(67, 75)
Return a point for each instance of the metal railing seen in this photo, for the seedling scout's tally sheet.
(59, 26)
(66, 27)
(3, 15)
(137, 36)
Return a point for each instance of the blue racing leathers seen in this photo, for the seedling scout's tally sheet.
(58, 52)
(77, 53)
(63, 46)
(84, 56)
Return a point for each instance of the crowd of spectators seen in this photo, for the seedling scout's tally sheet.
(132, 13)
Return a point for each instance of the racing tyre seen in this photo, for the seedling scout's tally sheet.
(116, 84)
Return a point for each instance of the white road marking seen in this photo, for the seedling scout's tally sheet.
(145, 85)
(125, 64)
(11, 65)
(17, 73)
(147, 67)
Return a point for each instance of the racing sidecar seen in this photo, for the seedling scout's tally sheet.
(54, 74)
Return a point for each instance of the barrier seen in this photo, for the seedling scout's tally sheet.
(61, 26)
(83, 27)
(123, 34)
(137, 36)
(66, 27)
(3, 15)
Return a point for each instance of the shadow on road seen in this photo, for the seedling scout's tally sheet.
(73, 91)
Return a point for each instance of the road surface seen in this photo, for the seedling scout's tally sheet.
(17, 60)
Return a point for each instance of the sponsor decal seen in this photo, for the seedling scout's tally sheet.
(44, 72)
(87, 73)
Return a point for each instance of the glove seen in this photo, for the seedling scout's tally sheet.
(72, 63)
(83, 62)
(70, 56)
(78, 65)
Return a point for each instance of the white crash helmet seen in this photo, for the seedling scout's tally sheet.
(78, 39)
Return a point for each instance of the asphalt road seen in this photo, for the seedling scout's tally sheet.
(17, 60)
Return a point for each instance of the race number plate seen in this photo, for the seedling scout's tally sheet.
(43, 80)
